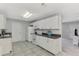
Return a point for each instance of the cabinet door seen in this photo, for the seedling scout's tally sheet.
(37, 40)
(6, 45)
(2, 22)
(49, 23)
(53, 22)
(41, 41)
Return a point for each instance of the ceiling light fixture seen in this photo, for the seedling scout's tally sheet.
(27, 14)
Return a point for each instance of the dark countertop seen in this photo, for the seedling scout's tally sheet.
(53, 36)
(5, 37)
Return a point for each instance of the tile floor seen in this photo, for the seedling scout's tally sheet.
(27, 49)
(69, 49)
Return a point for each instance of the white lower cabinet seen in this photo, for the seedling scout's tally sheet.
(37, 41)
(44, 41)
(41, 41)
(5, 46)
(52, 45)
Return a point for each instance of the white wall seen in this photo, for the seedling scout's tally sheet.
(68, 29)
(17, 25)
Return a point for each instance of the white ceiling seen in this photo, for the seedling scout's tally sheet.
(69, 12)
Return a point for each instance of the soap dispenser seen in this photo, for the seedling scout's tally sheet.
(49, 33)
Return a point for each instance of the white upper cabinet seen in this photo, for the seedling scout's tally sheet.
(49, 23)
(2, 22)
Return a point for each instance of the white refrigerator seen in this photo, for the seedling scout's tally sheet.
(31, 35)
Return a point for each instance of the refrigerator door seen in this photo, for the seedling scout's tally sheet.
(30, 33)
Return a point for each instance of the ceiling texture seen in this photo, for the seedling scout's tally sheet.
(68, 11)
